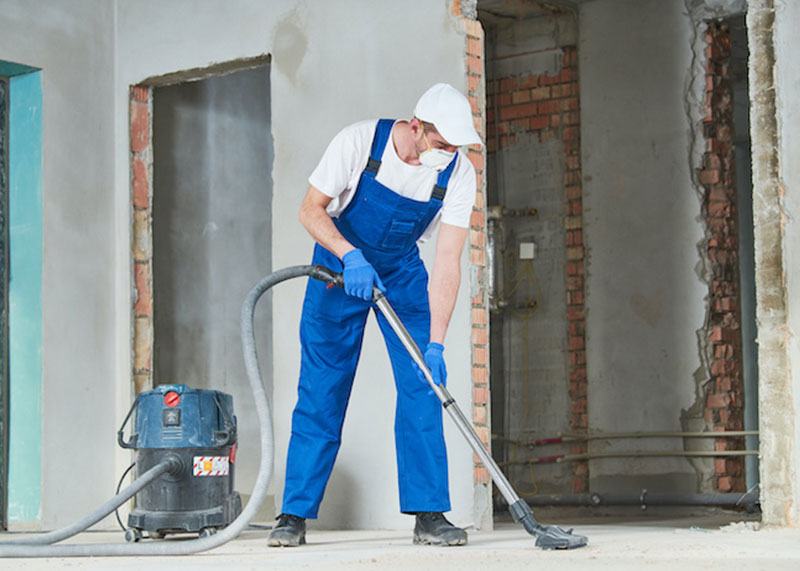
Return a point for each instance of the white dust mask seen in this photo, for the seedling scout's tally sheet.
(436, 159)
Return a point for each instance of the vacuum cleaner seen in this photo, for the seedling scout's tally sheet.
(160, 466)
(197, 429)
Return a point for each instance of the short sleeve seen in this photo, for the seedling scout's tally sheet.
(460, 198)
(342, 161)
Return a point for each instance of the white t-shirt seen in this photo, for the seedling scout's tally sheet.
(340, 168)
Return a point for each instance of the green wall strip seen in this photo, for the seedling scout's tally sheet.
(10, 69)
(3, 305)
(25, 297)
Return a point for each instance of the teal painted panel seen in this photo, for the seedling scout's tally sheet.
(25, 298)
(3, 308)
(10, 69)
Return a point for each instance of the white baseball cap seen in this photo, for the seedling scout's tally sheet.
(450, 112)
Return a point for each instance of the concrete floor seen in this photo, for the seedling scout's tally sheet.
(704, 542)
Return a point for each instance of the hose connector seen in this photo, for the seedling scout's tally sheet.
(175, 466)
(327, 275)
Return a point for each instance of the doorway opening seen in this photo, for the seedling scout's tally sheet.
(746, 246)
(535, 229)
(732, 399)
(535, 240)
(202, 198)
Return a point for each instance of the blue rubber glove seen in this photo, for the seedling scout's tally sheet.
(435, 361)
(359, 276)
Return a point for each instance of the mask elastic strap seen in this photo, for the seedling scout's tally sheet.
(424, 136)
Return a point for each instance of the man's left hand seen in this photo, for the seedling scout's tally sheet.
(435, 361)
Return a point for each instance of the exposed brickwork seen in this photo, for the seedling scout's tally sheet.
(142, 252)
(549, 105)
(477, 244)
(725, 391)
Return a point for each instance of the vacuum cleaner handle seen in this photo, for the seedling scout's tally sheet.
(334, 279)
(547, 536)
(131, 443)
(448, 402)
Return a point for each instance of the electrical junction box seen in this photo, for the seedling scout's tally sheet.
(527, 250)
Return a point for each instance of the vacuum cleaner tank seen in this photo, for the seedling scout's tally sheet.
(197, 427)
(176, 416)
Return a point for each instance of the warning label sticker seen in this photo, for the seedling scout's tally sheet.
(211, 466)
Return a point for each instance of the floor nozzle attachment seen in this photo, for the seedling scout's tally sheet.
(547, 536)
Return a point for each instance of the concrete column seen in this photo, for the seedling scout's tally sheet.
(776, 424)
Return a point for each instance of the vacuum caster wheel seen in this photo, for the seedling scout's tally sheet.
(207, 532)
(133, 535)
(156, 535)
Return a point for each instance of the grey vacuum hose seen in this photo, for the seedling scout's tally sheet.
(168, 464)
(21, 547)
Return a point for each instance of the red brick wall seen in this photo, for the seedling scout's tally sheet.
(477, 241)
(725, 391)
(141, 190)
(549, 105)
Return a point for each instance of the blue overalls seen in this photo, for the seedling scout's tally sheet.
(386, 227)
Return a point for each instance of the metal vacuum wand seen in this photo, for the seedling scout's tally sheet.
(547, 536)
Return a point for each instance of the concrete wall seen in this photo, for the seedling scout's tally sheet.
(323, 77)
(212, 193)
(779, 425)
(645, 299)
(314, 95)
(73, 44)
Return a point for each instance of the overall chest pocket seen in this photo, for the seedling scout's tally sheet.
(400, 234)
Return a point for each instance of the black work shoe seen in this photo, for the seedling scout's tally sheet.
(290, 531)
(432, 528)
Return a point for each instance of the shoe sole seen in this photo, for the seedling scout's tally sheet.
(285, 542)
(420, 540)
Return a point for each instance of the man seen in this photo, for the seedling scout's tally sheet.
(380, 187)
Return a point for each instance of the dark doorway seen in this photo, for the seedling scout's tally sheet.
(535, 242)
(744, 195)
(212, 195)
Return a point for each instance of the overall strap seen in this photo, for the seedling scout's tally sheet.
(440, 188)
(382, 133)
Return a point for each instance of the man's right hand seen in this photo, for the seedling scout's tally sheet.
(359, 276)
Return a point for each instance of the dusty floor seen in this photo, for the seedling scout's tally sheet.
(705, 542)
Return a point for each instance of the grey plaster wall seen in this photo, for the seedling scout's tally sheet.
(212, 195)
(322, 79)
(642, 227)
(74, 45)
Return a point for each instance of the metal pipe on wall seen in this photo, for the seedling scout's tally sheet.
(569, 437)
(558, 459)
(644, 499)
